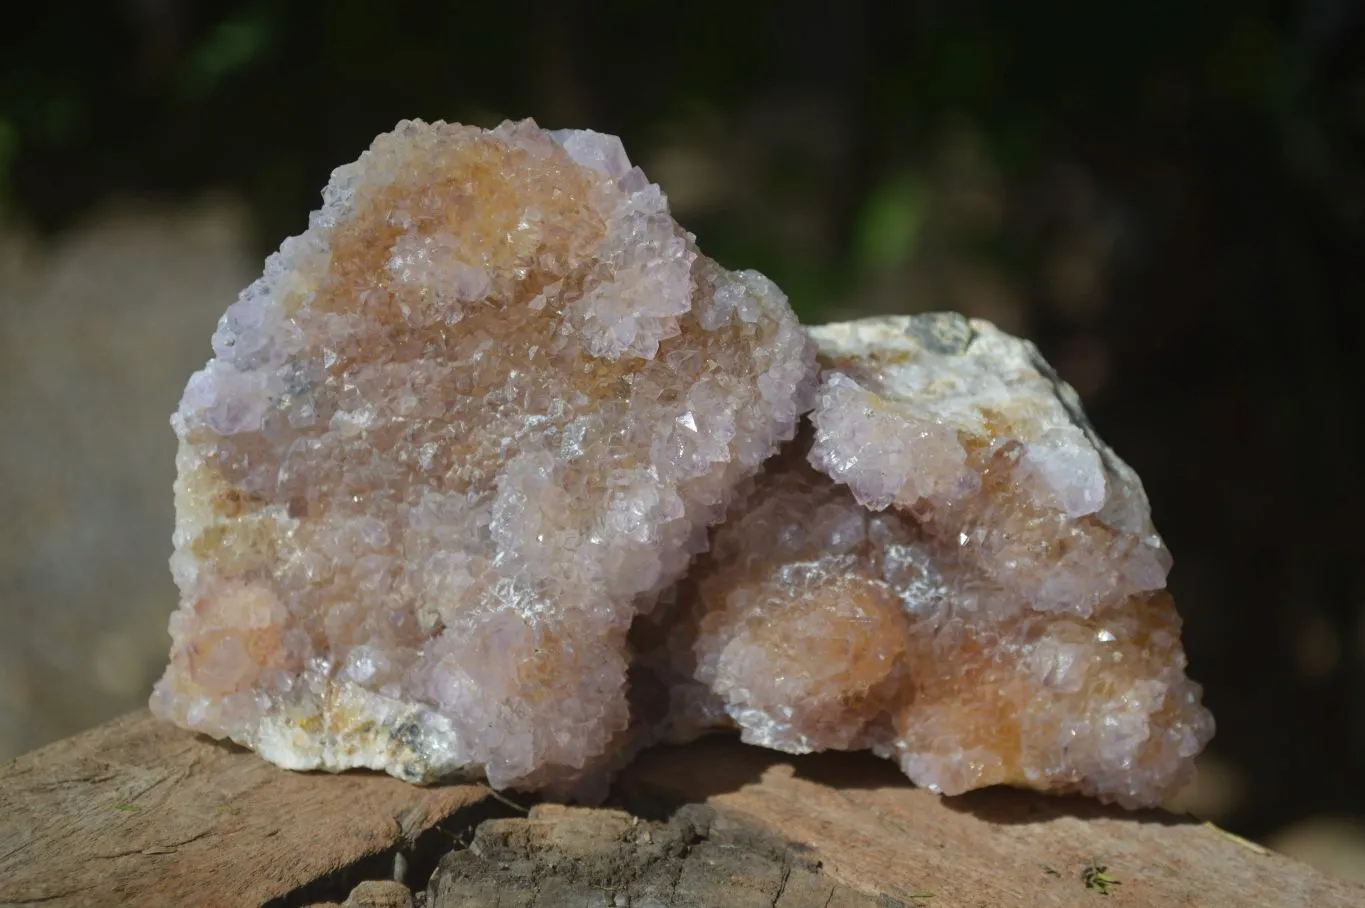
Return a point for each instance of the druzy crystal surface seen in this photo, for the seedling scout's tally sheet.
(460, 434)
(950, 569)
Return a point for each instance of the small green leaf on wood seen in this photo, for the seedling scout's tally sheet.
(1096, 876)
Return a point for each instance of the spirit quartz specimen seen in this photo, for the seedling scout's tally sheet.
(471, 427)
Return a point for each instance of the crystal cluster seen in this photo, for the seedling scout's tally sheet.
(484, 478)
(462, 431)
(982, 601)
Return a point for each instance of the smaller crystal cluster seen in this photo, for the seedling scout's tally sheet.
(982, 602)
(494, 473)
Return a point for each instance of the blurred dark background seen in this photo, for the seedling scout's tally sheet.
(1168, 197)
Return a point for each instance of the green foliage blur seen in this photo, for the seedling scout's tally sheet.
(834, 115)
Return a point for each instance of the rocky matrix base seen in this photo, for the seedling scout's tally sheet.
(443, 487)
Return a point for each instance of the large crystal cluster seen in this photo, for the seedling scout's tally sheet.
(444, 495)
(462, 432)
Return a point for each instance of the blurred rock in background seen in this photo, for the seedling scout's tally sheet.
(99, 330)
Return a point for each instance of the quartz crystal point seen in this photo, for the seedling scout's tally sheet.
(463, 430)
(978, 596)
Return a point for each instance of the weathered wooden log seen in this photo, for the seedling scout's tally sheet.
(137, 812)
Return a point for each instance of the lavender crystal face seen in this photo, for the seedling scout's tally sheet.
(462, 431)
